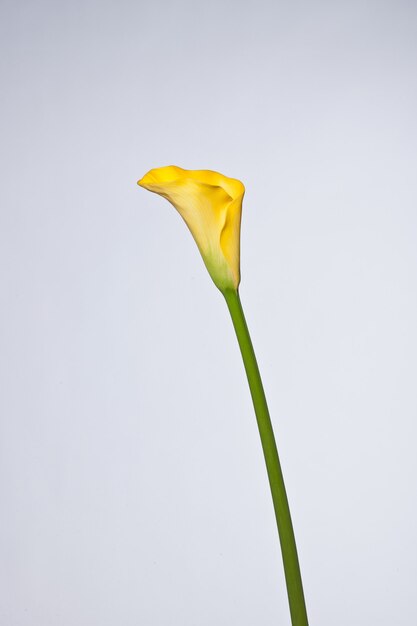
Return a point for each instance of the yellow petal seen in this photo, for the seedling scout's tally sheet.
(211, 206)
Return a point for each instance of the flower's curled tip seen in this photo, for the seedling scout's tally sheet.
(211, 205)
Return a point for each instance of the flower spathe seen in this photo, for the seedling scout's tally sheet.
(211, 206)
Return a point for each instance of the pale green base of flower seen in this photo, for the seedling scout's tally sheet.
(273, 466)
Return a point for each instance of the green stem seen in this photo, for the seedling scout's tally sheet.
(273, 466)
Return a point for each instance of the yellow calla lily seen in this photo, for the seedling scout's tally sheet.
(211, 206)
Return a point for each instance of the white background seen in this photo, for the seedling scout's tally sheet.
(132, 484)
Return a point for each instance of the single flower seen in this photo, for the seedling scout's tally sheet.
(211, 206)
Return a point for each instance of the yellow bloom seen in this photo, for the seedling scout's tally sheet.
(211, 206)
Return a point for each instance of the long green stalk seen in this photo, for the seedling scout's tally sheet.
(273, 466)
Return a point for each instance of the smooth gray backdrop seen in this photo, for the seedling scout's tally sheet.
(132, 484)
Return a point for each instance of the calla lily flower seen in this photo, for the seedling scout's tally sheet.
(211, 206)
